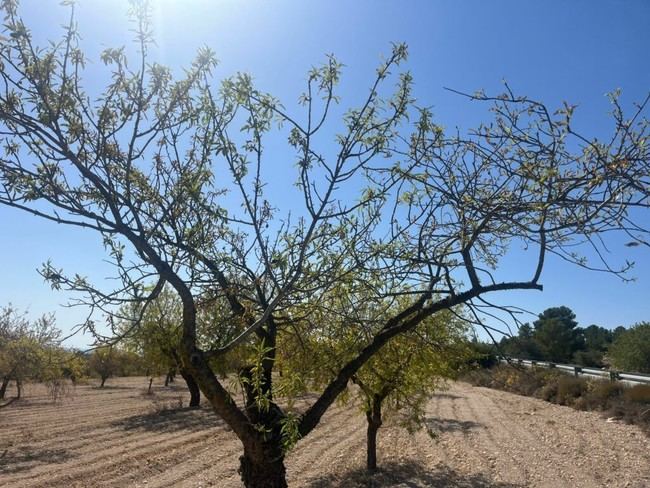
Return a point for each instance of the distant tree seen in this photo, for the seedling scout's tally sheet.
(597, 338)
(522, 346)
(75, 365)
(556, 335)
(28, 350)
(617, 332)
(157, 339)
(130, 363)
(484, 354)
(564, 314)
(105, 362)
(400, 381)
(396, 383)
(596, 341)
(631, 349)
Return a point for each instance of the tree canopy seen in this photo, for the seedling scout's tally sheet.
(556, 334)
(172, 171)
(29, 351)
(630, 351)
(556, 337)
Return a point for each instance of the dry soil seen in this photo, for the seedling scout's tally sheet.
(120, 437)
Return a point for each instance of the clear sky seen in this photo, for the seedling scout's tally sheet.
(552, 51)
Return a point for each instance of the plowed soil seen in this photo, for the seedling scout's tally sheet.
(120, 437)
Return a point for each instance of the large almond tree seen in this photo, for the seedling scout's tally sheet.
(174, 173)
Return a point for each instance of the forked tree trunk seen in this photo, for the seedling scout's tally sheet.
(374, 423)
(262, 463)
(195, 393)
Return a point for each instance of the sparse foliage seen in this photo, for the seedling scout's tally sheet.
(157, 338)
(29, 351)
(104, 362)
(173, 173)
(397, 382)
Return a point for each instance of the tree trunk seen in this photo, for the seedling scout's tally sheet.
(3, 388)
(262, 464)
(374, 422)
(19, 388)
(104, 378)
(195, 393)
(265, 470)
(170, 377)
(150, 383)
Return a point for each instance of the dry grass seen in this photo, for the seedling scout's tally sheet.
(614, 399)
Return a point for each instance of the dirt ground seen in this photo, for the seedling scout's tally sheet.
(119, 437)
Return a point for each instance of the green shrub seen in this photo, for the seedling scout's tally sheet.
(629, 404)
(631, 350)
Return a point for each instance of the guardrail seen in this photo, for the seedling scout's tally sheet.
(636, 378)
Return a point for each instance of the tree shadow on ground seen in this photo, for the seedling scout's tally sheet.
(7, 402)
(27, 457)
(171, 420)
(435, 424)
(113, 387)
(406, 475)
(25, 403)
(449, 396)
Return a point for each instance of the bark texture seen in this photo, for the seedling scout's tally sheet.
(373, 415)
(193, 387)
(3, 387)
(263, 469)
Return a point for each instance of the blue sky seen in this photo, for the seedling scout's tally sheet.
(553, 51)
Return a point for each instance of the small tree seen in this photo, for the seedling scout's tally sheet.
(523, 345)
(631, 349)
(400, 380)
(596, 341)
(104, 361)
(28, 350)
(156, 337)
(75, 365)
